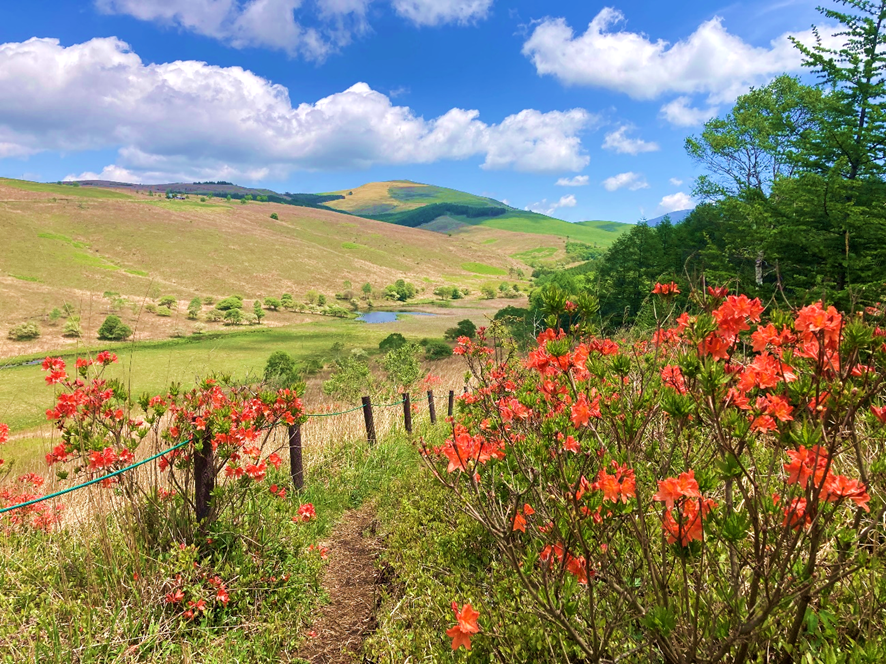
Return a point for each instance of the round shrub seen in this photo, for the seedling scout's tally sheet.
(392, 342)
(165, 312)
(114, 329)
(436, 349)
(72, 329)
(24, 332)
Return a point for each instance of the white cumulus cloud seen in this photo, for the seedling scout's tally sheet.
(709, 61)
(677, 182)
(675, 202)
(191, 119)
(436, 12)
(312, 30)
(546, 208)
(680, 114)
(619, 141)
(276, 24)
(577, 181)
(629, 180)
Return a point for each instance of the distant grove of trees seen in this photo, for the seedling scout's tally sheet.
(428, 213)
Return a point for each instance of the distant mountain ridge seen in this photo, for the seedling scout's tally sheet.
(675, 217)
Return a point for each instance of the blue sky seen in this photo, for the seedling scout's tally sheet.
(577, 109)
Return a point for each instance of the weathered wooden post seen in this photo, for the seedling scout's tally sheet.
(451, 409)
(296, 468)
(431, 408)
(407, 413)
(204, 479)
(370, 422)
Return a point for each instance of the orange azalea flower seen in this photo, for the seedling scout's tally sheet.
(673, 489)
(519, 522)
(465, 626)
(583, 410)
(879, 413)
(839, 486)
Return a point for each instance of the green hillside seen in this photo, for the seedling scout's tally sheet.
(446, 210)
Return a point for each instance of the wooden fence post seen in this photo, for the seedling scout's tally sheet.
(296, 469)
(370, 422)
(204, 480)
(431, 408)
(451, 408)
(407, 413)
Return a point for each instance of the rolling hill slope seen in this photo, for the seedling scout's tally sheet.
(450, 211)
(73, 244)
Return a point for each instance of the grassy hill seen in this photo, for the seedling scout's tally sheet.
(455, 212)
(74, 244)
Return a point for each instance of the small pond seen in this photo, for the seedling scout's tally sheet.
(373, 317)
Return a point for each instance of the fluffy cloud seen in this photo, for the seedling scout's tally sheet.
(435, 12)
(710, 61)
(618, 141)
(577, 181)
(543, 207)
(679, 113)
(259, 23)
(676, 182)
(311, 30)
(629, 180)
(192, 119)
(675, 202)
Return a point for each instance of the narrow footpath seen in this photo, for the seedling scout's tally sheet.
(351, 580)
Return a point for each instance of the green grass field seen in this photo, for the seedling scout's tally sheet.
(63, 190)
(601, 233)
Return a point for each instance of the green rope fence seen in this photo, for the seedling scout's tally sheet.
(160, 454)
(95, 481)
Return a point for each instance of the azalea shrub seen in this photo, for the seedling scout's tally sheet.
(221, 431)
(711, 493)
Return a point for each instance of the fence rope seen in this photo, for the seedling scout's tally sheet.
(95, 481)
(157, 456)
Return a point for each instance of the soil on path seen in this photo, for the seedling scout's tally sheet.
(352, 581)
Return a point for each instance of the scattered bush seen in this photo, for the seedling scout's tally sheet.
(165, 312)
(72, 329)
(178, 333)
(392, 342)
(287, 301)
(233, 316)
(437, 349)
(400, 291)
(24, 332)
(208, 300)
(488, 292)
(274, 216)
(273, 303)
(168, 301)
(215, 316)
(194, 308)
(350, 380)
(151, 308)
(114, 329)
(402, 366)
(464, 328)
(55, 315)
(281, 370)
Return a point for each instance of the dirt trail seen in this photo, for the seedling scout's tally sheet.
(352, 581)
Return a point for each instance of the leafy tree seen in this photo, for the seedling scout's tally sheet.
(273, 303)
(464, 328)
(233, 316)
(312, 296)
(55, 315)
(257, 311)
(114, 329)
(194, 308)
(758, 142)
(443, 292)
(456, 293)
(232, 302)
(402, 366)
(367, 290)
(401, 291)
(281, 370)
(168, 301)
(350, 380)
(852, 124)
(287, 301)
(321, 300)
(392, 342)
(488, 292)
(275, 216)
